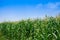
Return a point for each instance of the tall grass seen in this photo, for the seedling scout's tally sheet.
(37, 29)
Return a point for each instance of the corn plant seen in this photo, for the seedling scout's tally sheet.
(36, 29)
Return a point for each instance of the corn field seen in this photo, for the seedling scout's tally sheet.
(37, 29)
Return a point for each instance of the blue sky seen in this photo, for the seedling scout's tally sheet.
(14, 10)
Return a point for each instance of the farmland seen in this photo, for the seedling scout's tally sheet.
(37, 29)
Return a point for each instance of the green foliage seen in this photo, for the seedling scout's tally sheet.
(37, 29)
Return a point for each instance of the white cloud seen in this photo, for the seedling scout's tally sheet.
(49, 5)
(51, 9)
(39, 6)
(53, 5)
